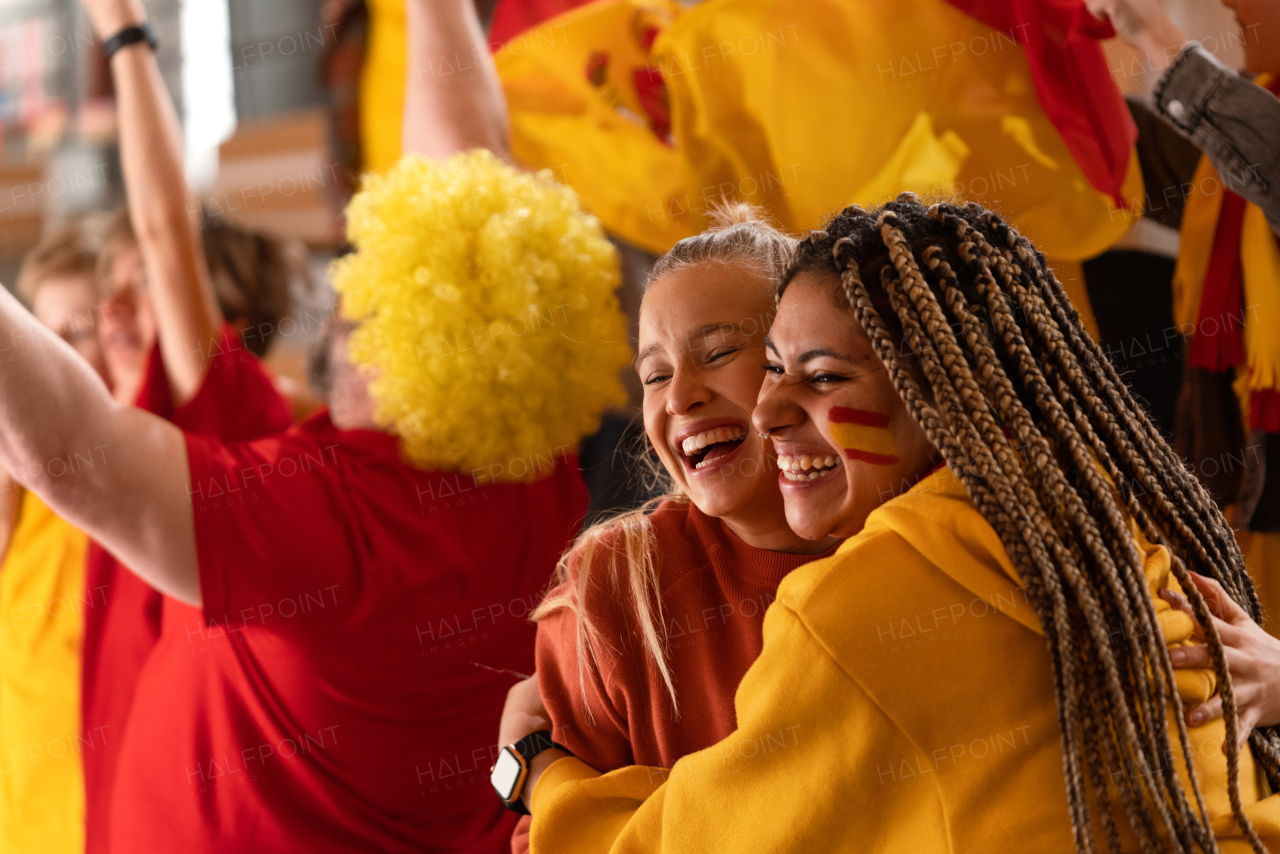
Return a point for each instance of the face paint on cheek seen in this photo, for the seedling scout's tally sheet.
(863, 435)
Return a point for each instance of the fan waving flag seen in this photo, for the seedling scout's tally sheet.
(1072, 81)
(655, 112)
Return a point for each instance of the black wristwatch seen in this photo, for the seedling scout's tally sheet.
(144, 32)
(510, 772)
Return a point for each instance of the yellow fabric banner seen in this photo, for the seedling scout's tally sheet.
(800, 108)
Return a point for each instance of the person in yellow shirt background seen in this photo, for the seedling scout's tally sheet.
(42, 590)
(984, 665)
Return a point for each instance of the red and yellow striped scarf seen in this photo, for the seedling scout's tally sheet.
(1226, 290)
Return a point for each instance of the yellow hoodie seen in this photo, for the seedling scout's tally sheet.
(903, 703)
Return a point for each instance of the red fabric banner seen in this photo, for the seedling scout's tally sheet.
(1072, 80)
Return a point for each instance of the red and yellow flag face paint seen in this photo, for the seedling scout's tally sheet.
(863, 435)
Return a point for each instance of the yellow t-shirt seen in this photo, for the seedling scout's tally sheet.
(42, 602)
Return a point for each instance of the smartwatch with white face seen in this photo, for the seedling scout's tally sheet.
(510, 772)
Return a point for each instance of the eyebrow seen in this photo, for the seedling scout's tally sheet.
(698, 333)
(646, 353)
(821, 352)
(810, 355)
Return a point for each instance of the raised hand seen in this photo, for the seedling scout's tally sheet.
(111, 16)
(1143, 24)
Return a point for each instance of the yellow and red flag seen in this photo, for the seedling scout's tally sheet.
(513, 17)
(654, 112)
(863, 435)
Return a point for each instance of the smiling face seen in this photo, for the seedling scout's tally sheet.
(845, 441)
(128, 326)
(701, 363)
(68, 306)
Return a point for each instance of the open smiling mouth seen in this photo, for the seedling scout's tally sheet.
(801, 468)
(703, 450)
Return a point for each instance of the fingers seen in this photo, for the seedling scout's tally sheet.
(1185, 657)
(1177, 601)
(1232, 637)
(1220, 604)
(524, 699)
(523, 711)
(1209, 710)
(1248, 720)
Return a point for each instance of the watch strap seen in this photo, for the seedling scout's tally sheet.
(144, 32)
(528, 747)
(534, 743)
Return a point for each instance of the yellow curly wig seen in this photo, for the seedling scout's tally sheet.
(487, 313)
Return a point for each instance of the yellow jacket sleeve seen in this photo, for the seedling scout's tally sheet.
(807, 733)
(909, 710)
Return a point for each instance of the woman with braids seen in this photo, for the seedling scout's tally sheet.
(984, 663)
(659, 611)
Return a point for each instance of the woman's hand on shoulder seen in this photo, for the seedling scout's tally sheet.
(523, 713)
(1253, 660)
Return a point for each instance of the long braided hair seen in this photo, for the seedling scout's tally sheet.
(983, 346)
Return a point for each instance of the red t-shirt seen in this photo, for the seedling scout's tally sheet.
(715, 590)
(362, 622)
(236, 400)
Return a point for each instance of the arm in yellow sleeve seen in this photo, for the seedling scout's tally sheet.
(811, 767)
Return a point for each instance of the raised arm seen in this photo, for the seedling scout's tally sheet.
(161, 205)
(1231, 119)
(453, 98)
(1225, 115)
(116, 472)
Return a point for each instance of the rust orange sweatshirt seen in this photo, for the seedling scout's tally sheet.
(714, 591)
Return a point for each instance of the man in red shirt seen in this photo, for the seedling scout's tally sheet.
(354, 621)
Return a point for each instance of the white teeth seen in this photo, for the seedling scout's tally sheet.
(798, 476)
(696, 443)
(804, 468)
